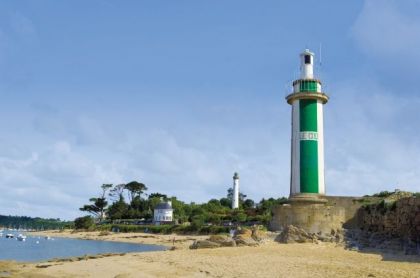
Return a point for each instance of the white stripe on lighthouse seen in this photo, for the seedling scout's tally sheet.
(320, 124)
(295, 184)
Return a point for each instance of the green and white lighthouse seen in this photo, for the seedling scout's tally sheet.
(307, 162)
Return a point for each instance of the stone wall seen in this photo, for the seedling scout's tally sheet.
(313, 218)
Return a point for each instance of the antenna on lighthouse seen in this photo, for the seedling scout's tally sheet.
(320, 54)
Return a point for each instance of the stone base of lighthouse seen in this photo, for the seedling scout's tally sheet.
(307, 198)
(316, 214)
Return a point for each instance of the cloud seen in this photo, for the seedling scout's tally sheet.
(56, 177)
(371, 140)
(388, 33)
(64, 174)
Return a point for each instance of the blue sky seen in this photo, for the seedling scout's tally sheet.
(181, 94)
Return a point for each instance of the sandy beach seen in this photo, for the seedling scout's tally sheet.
(271, 259)
(179, 241)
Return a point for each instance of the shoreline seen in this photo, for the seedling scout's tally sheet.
(171, 240)
(270, 259)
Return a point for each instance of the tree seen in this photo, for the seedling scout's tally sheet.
(99, 204)
(181, 210)
(117, 192)
(158, 195)
(135, 189)
(248, 203)
(118, 209)
(84, 222)
(97, 208)
(239, 217)
(225, 202)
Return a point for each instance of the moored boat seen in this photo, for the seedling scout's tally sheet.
(21, 237)
(10, 235)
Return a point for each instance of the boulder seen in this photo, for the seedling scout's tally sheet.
(244, 241)
(244, 237)
(257, 234)
(203, 244)
(223, 240)
(292, 234)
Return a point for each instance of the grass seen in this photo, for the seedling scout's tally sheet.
(162, 229)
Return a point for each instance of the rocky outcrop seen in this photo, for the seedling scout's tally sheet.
(363, 240)
(292, 234)
(223, 240)
(204, 244)
(393, 223)
(242, 237)
(248, 237)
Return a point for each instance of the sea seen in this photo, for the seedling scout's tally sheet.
(36, 249)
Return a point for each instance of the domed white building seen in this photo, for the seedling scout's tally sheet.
(163, 213)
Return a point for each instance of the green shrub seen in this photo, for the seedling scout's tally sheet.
(85, 222)
(383, 194)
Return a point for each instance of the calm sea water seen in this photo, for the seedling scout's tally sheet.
(40, 249)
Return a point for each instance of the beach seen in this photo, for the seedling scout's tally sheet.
(270, 259)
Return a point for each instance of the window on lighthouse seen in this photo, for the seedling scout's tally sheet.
(307, 59)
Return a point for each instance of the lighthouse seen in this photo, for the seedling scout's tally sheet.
(307, 181)
(235, 197)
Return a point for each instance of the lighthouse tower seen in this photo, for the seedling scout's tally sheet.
(235, 197)
(307, 161)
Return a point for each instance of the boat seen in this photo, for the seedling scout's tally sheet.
(47, 237)
(21, 237)
(10, 235)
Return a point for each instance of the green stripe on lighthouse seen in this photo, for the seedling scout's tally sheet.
(308, 86)
(308, 148)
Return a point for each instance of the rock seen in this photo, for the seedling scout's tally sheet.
(223, 240)
(292, 234)
(245, 232)
(203, 244)
(339, 237)
(257, 234)
(244, 237)
(245, 241)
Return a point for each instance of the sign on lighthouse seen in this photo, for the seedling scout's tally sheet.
(307, 162)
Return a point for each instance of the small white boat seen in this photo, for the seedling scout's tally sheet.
(21, 237)
(48, 238)
(10, 235)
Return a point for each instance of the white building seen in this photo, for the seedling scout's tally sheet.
(163, 213)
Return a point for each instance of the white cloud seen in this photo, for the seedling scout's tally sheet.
(372, 144)
(385, 31)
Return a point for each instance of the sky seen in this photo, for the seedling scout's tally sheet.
(181, 94)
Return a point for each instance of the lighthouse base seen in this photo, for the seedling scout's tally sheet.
(308, 198)
(316, 214)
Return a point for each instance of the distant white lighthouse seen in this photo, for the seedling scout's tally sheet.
(235, 197)
(307, 162)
